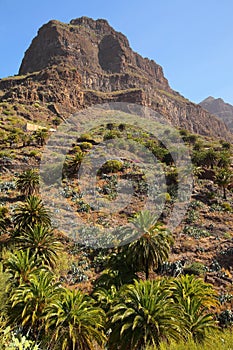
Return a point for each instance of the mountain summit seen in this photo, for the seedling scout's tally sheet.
(219, 108)
(71, 66)
(103, 56)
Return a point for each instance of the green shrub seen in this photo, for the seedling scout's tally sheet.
(85, 137)
(192, 216)
(110, 126)
(192, 138)
(34, 153)
(56, 121)
(195, 232)
(83, 207)
(197, 146)
(225, 318)
(3, 211)
(111, 166)
(9, 341)
(218, 340)
(112, 134)
(6, 154)
(226, 145)
(183, 132)
(76, 149)
(85, 146)
(122, 127)
(226, 206)
(167, 197)
(6, 112)
(195, 268)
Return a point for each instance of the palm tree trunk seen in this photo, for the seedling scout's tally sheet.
(147, 270)
(224, 193)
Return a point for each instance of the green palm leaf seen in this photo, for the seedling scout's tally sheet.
(31, 213)
(75, 320)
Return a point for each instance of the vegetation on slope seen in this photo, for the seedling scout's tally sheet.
(57, 294)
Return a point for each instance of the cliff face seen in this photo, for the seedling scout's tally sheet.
(57, 90)
(219, 108)
(102, 55)
(71, 66)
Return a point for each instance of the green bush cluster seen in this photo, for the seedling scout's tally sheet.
(111, 166)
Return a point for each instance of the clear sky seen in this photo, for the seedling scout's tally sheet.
(191, 39)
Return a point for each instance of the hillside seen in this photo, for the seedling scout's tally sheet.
(123, 277)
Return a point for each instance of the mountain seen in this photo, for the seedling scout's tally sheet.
(70, 66)
(219, 108)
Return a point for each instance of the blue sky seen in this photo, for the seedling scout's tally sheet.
(191, 39)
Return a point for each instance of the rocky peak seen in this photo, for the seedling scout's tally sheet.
(220, 108)
(208, 99)
(94, 48)
(100, 25)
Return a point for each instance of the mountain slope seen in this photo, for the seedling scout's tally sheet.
(219, 108)
(71, 66)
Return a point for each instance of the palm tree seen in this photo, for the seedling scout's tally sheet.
(73, 163)
(41, 136)
(152, 246)
(197, 171)
(31, 213)
(224, 160)
(29, 300)
(28, 182)
(195, 298)
(117, 278)
(21, 265)
(119, 271)
(198, 321)
(143, 315)
(105, 297)
(210, 157)
(187, 287)
(224, 178)
(41, 243)
(76, 322)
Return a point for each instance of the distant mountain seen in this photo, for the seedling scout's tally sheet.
(219, 108)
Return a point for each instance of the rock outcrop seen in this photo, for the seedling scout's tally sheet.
(102, 55)
(71, 66)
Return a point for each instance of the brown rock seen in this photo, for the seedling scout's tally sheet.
(87, 62)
